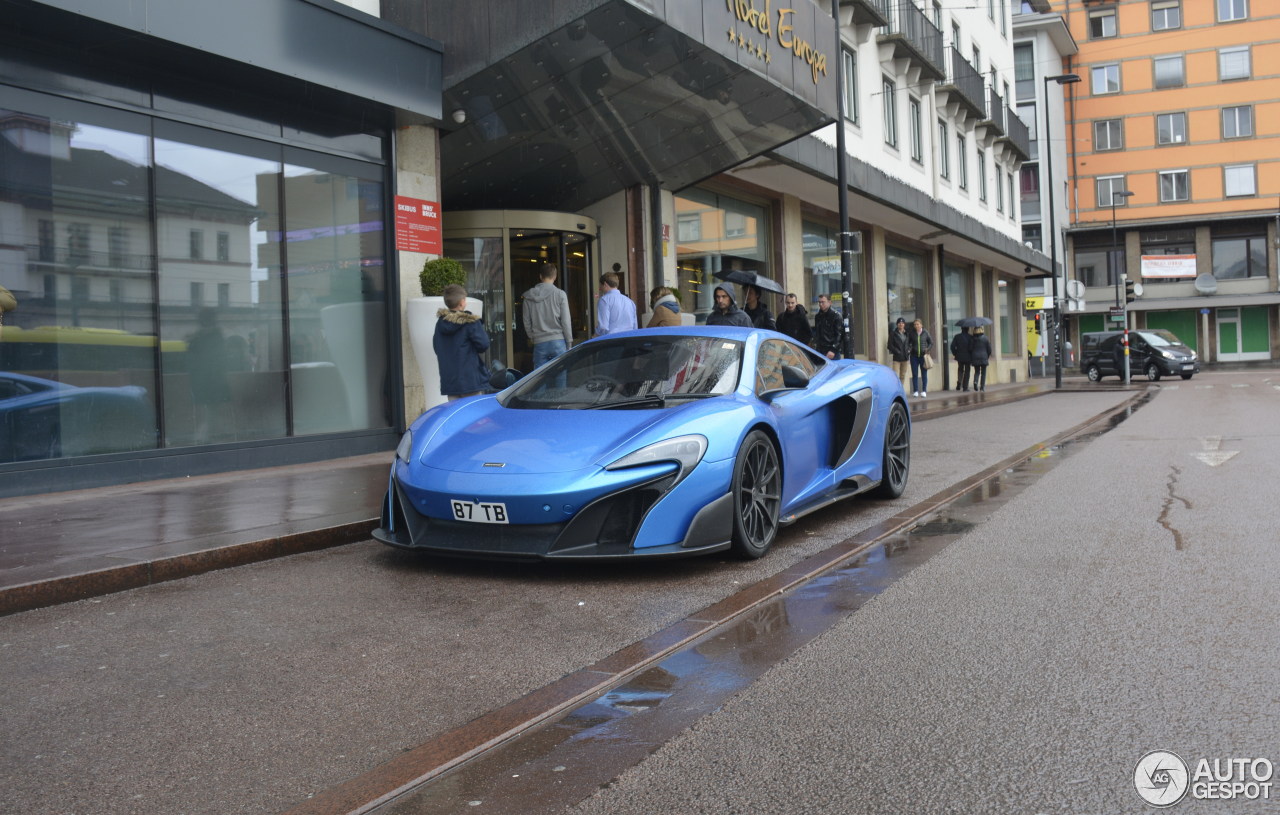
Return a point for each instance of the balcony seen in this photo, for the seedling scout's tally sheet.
(964, 85)
(868, 12)
(995, 112)
(912, 37)
(1017, 136)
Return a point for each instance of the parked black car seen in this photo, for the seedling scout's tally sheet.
(1153, 353)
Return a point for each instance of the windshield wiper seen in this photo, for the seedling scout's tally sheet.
(656, 399)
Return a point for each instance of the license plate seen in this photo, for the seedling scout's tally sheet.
(479, 512)
(1188, 366)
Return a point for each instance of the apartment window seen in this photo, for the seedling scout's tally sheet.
(1102, 23)
(1108, 185)
(224, 295)
(80, 289)
(1169, 72)
(944, 145)
(917, 131)
(115, 290)
(1239, 257)
(1024, 70)
(1175, 185)
(1029, 191)
(890, 114)
(1106, 78)
(977, 58)
(224, 246)
(196, 241)
(1233, 63)
(117, 245)
(991, 9)
(1013, 211)
(849, 61)
(937, 14)
(78, 242)
(962, 163)
(1237, 122)
(1239, 179)
(982, 175)
(735, 224)
(197, 293)
(1166, 15)
(999, 191)
(689, 227)
(1108, 134)
(955, 35)
(1171, 128)
(1232, 10)
(47, 240)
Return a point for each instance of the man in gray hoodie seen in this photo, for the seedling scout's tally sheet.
(546, 317)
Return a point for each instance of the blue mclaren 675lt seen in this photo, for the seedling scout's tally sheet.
(654, 443)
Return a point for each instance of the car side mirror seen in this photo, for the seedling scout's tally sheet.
(794, 377)
(501, 377)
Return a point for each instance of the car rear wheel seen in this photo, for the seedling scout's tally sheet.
(1186, 376)
(1153, 372)
(1094, 373)
(897, 453)
(757, 496)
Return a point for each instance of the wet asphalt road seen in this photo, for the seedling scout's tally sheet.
(1128, 601)
(249, 689)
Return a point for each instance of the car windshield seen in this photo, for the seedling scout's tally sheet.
(1159, 338)
(640, 372)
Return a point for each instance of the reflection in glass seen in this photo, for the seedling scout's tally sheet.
(731, 234)
(822, 276)
(78, 347)
(333, 250)
(904, 276)
(219, 299)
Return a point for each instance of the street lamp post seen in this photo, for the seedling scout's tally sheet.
(1062, 79)
(1123, 195)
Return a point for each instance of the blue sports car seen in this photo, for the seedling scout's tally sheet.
(662, 442)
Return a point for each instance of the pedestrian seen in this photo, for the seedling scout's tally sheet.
(794, 321)
(459, 341)
(828, 329)
(665, 307)
(614, 310)
(960, 353)
(979, 357)
(726, 312)
(900, 350)
(545, 314)
(921, 343)
(761, 316)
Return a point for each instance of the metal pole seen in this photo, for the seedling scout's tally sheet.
(842, 182)
(1056, 337)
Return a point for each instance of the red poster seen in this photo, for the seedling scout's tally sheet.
(417, 226)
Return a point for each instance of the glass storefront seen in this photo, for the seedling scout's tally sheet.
(717, 233)
(181, 286)
(904, 279)
(822, 276)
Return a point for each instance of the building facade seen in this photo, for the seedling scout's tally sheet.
(194, 220)
(1175, 170)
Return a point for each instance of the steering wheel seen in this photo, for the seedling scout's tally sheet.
(599, 383)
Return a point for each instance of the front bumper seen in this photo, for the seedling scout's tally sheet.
(605, 529)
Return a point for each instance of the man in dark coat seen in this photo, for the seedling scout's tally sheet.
(726, 312)
(828, 329)
(794, 322)
(756, 310)
(459, 341)
(960, 353)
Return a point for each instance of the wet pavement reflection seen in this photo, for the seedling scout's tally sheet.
(564, 761)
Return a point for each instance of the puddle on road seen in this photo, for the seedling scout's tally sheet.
(563, 762)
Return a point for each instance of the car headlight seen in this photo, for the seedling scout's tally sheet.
(405, 448)
(686, 451)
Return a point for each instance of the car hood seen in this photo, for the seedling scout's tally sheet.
(485, 437)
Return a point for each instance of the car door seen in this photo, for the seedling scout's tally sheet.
(801, 417)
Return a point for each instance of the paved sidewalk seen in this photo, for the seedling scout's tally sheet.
(68, 546)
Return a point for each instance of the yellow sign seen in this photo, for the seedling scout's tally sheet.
(1034, 303)
(762, 22)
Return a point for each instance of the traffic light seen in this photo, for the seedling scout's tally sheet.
(1039, 323)
(1129, 294)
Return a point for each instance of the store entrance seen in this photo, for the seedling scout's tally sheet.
(570, 254)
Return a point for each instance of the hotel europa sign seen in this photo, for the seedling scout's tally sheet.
(756, 25)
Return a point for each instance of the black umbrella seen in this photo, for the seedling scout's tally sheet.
(973, 322)
(746, 278)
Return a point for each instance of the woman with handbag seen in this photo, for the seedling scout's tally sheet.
(921, 344)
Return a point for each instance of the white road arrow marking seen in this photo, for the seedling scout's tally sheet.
(1211, 454)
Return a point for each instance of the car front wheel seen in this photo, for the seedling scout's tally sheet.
(1094, 373)
(1153, 372)
(897, 453)
(757, 496)
(1186, 376)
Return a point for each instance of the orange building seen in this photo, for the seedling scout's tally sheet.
(1179, 107)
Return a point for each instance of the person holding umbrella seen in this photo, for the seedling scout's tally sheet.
(761, 316)
(960, 353)
(980, 356)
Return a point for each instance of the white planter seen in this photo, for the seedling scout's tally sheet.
(422, 329)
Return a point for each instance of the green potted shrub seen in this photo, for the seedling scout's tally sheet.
(441, 272)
